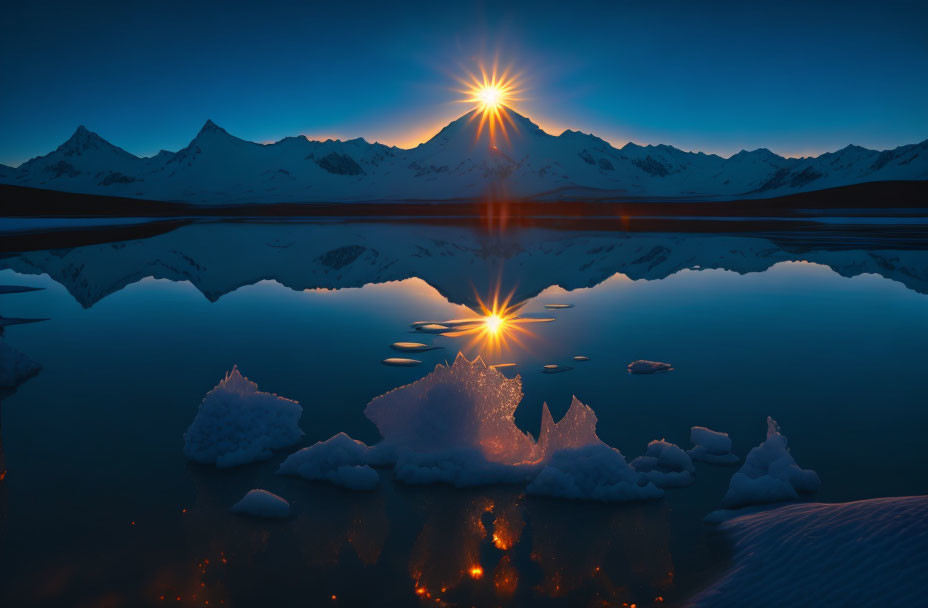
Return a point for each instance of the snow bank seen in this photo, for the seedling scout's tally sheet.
(237, 424)
(592, 472)
(261, 503)
(865, 553)
(769, 474)
(340, 460)
(648, 367)
(15, 367)
(711, 446)
(665, 465)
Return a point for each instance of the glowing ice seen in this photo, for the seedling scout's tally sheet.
(412, 347)
(769, 474)
(237, 424)
(665, 465)
(464, 405)
(401, 362)
(340, 460)
(261, 503)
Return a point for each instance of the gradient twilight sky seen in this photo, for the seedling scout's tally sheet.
(796, 77)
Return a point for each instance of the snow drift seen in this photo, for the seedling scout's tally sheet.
(261, 503)
(237, 424)
(865, 553)
(770, 474)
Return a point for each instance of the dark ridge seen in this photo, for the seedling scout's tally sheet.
(872, 198)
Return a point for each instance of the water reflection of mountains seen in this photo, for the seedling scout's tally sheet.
(219, 258)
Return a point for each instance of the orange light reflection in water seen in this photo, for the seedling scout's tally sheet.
(496, 327)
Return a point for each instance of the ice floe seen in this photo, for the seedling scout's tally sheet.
(261, 503)
(413, 347)
(237, 424)
(864, 553)
(553, 368)
(665, 465)
(711, 446)
(15, 367)
(401, 362)
(432, 328)
(558, 306)
(769, 474)
(340, 460)
(643, 366)
(581, 358)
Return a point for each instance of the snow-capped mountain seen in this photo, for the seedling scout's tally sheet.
(220, 258)
(461, 161)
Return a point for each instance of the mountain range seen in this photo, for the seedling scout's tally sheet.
(460, 162)
(219, 258)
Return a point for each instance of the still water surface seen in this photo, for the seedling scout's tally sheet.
(99, 506)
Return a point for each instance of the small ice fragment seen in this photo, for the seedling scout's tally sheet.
(432, 328)
(711, 446)
(581, 358)
(499, 365)
(643, 366)
(552, 368)
(558, 306)
(340, 460)
(769, 474)
(401, 362)
(413, 347)
(665, 465)
(261, 503)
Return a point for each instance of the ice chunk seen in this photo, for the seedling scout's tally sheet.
(432, 328)
(665, 465)
(864, 553)
(400, 362)
(413, 347)
(593, 472)
(553, 368)
(15, 367)
(464, 405)
(340, 460)
(643, 366)
(261, 503)
(581, 358)
(711, 446)
(575, 430)
(769, 474)
(558, 306)
(237, 424)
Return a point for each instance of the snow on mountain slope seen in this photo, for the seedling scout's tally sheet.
(219, 258)
(461, 161)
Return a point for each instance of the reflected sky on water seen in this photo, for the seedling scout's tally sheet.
(101, 506)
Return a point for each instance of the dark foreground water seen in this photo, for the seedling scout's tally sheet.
(98, 506)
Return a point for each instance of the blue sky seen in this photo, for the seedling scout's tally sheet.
(798, 78)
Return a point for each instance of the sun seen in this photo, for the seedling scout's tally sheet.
(493, 92)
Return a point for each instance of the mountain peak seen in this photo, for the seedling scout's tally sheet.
(211, 127)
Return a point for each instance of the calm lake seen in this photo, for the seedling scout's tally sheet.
(99, 507)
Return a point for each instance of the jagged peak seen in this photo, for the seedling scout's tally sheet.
(211, 127)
